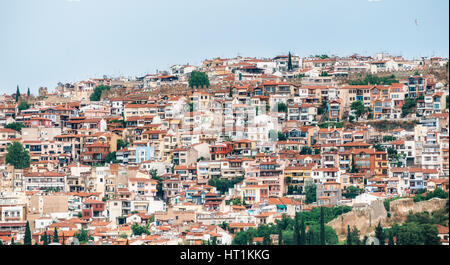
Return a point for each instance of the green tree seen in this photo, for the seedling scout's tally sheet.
(430, 235)
(23, 105)
(310, 192)
(121, 144)
(322, 227)
(374, 80)
(296, 234)
(328, 235)
(198, 79)
(390, 238)
(410, 234)
(266, 239)
(97, 94)
(222, 185)
(351, 192)
(353, 168)
(323, 56)
(358, 107)
(28, 93)
(191, 106)
(407, 107)
(139, 230)
(306, 150)
(370, 113)
(379, 234)
(17, 156)
(237, 201)
(159, 189)
(240, 238)
(282, 107)
(302, 231)
(286, 226)
(17, 94)
(281, 136)
(378, 147)
(15, 126)
(324, 73)
(388, 138)
(55, 236)
(349, 236)
(290, 62)
(280, 236)
(355, 236)
(323, 108)
(63, 239)
(418, 229)
(224, 225)
(83, 236)
(331, 124)
(12, 241)
(45, 238)
(27, 237)
(111, 158)
(310, 238)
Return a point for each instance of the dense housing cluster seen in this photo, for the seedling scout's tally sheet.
(197, 154)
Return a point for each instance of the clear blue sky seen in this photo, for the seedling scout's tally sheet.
(46, 41)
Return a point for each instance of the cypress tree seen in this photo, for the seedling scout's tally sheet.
(17, 94)
(127, 242)
(322, 227)
(290, 62)
(296, 234)
(55, 236)
(391, 239)
(302, 232)
(266, 239)
(63, 239)
(12, 241)
(353, 168)
(27, 238)
(355, 236)
(28, 93)
(379, 233)
(310, 238)
(349, 235)
(45, 238)
(280, 236)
